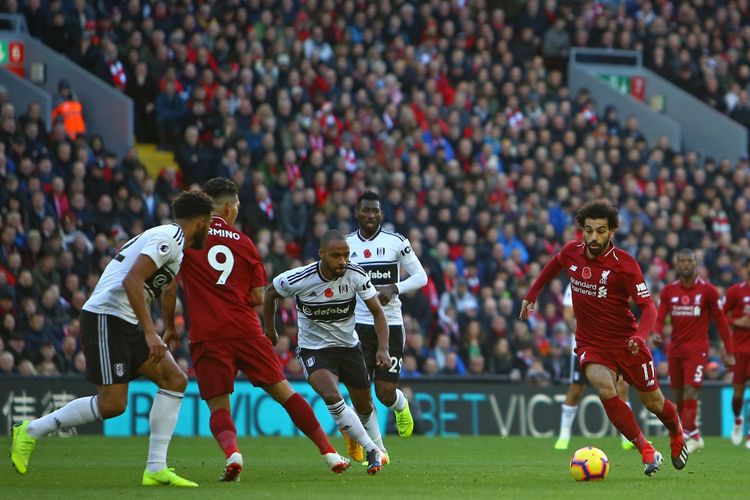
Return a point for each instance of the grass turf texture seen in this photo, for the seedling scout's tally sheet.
(467, 467)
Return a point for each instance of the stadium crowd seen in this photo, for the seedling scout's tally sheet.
(456, 112)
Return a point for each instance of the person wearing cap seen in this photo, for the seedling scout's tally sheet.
(69, 110)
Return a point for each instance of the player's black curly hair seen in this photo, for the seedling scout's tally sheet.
(220, 187)
(368, 195)
(191, 204)
(599, 209)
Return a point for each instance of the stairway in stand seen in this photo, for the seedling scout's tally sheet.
(155, 160)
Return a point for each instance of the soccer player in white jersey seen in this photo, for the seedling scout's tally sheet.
(384, 254)
(578, 382)
(121, 343)
(328, 347)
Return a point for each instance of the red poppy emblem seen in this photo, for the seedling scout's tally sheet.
(685, 300)
(367, 253)
(328, 293)
(586, 273)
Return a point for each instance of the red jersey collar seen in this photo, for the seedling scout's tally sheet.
(602, 256)
(214, 216)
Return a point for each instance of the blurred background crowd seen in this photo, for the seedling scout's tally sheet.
(456, 112)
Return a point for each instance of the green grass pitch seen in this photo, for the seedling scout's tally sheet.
(422, 467)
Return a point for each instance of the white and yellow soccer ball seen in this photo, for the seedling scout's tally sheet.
(589, 464)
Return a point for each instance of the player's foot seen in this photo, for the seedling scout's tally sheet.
(373, 462)
(626, 445)
(562, 443)
(166, 477)
(652, 460)
(747, 442)
(737, 432)
(21, 447)
(404, 421)
(679, 451)
(353, 448)
(336, 462)
(694, 443)
(232, 469)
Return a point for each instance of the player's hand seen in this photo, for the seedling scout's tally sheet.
(386, 293)
(272, 336)
(172, 339)
(634, 345)
(526, 308)
(383, 358)
(743, 322)
(657, 339)
(729, 360)
(156, 346)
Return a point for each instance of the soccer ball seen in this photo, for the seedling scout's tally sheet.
(589, 464)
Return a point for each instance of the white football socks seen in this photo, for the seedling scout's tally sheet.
(346, 419)
(79, 411)
(370, 423)
(400, 403)
(566, 420)
(162, 419)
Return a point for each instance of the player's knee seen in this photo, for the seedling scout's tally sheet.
(386, 395)
(176, 381)
(112, 407)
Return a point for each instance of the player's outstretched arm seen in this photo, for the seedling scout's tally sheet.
(269, 313)
(526, 307)
(382, 357)
(143, 267)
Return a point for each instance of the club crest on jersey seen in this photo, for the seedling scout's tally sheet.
(605, 275)
(586, 273)
(685, 300)
(163, 249)
(328, 293)
(119, 369)
(380, 251)
(367, 253)
(343, 289)
(310, 361)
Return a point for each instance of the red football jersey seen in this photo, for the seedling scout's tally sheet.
(217, 281)
(691, 309)
(601, 290)
(737, 305)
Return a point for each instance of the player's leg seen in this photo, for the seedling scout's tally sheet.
(105, 349)
(215, 370)
(568, 414)
(693, 438)
(663, 408)
(322, 373)
(623, 390)
(304, 418)
(386, 382)
(738, 384)
(172, 381)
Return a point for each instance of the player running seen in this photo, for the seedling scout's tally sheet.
(691, 302)
(328, 347)
(383, 254)
(610, 342)
(121, 344)
(223, 284)
(737, 309)
(578, 383)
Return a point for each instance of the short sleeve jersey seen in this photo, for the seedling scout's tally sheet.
(325, 308)
(381, 256)
(690, 310)
(601, 289)
(737, 305)
(164, 245)
(217, 281)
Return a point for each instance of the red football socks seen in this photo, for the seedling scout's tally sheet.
(689, 414)
(670, 419)
(623, 419)
(304, 418)
(224, 431)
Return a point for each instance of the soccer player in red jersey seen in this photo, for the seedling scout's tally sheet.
(737, 309)
(223, 284)
(610, 342)
(691, 302)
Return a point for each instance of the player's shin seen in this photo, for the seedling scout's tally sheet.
(624, 421)
(78, 412)
(224, 431)
(304, 418)
(689, 414)
(162, 419)
(670, 419)
(346, 419)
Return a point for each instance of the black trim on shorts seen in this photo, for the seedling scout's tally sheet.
(114, 348)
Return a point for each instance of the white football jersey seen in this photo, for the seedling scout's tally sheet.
(325, 309)
(164, 245)
(382, 256)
